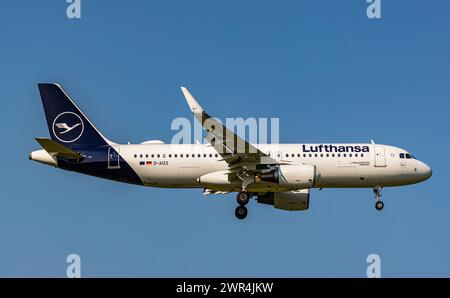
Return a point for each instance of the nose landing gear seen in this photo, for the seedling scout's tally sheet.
(379, 205)
(242, 199)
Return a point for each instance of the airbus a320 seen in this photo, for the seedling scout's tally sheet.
(280, 175)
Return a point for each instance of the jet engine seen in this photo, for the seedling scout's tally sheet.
(218, 179)
(291, 176)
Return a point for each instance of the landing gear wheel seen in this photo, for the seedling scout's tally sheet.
(242, 198)
(379, 205)
(241, 212)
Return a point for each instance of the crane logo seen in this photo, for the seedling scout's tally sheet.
(68, 127)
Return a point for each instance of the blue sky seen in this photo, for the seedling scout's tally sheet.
(328, 72)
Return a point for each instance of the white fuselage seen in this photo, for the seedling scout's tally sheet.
(339, 165)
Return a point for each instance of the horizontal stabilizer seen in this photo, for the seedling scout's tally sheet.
(57, 150)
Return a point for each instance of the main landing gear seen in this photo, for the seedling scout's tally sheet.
(241, 212)
(379, 205)
(242, 199)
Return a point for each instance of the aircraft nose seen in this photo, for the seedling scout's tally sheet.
(425, 171)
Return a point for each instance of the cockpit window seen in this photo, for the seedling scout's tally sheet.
(409, 156)
(402, 155)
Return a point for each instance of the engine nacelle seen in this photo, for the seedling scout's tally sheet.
(289, 200)
(217, 179)
(292, 176)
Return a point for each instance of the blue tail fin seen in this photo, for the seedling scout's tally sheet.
(66, 123)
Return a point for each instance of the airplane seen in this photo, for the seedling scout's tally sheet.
(280, 175)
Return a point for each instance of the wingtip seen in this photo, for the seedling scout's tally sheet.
(184, 90)
(192, 102)
(186, 93)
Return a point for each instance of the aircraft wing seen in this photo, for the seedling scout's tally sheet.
(240, 155)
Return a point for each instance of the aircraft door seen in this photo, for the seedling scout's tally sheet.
(114, 157)
(380, 156)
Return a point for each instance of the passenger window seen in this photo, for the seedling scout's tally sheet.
(350, 155)
(292, 155)
(216, 155)
(402, 155)
(199, 155)
(356, 155)
(304, 155)
(321, 155)
(315, 155)
(298, 155)
(328, 155)
(153, 155)
(210, 155)
(362, 155)
(310, 155)
(345, 155)
(140, 156)
(170, 155)
(135, 156)
(176, 155)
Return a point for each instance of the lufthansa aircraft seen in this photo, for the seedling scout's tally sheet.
(280, 175)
